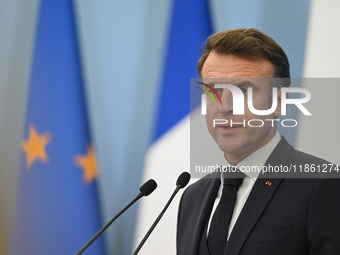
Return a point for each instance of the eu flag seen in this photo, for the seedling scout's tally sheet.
(57, 210)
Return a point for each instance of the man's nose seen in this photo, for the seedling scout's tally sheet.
(227, 102)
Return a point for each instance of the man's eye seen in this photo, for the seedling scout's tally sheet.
(244, 90)
(219, 91)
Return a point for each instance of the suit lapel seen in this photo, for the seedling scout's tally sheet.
(205, 202)
(258, 199)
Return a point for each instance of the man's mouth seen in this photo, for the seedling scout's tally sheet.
(230, 127)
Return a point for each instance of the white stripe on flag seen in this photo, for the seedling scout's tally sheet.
(166, 159)
(320, 131)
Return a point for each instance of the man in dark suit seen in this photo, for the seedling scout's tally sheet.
(262, 214)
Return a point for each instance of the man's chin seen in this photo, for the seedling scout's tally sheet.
(227, 149)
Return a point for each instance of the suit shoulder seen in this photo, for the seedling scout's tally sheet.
(302, 157)
(312, 166)
(205, 184)
(196, 186)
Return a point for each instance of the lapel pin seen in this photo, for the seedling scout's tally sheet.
(268, 183)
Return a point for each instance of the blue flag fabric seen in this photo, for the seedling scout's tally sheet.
(190, 26)
(58, 208)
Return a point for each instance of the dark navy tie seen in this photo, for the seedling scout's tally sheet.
(218, 232)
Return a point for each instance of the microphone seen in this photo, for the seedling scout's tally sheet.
(181, 182)
(145, 190)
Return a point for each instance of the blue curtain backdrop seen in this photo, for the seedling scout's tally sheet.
(57, 210)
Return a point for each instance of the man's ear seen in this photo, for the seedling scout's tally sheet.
(277, 112)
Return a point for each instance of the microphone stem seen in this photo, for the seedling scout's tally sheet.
(157, 220)
(108, 224)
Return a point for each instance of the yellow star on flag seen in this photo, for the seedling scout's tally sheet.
(35, 147)
(88, 164)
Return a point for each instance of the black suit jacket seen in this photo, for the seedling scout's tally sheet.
(292, 216)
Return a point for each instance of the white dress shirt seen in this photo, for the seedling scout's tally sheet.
(257, 159)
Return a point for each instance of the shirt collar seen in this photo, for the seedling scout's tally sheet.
(255, 160)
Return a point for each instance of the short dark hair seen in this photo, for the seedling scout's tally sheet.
(250, 44)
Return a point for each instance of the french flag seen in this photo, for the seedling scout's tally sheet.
(169, 154)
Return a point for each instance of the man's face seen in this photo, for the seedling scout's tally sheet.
(239, 142)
